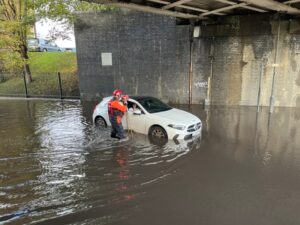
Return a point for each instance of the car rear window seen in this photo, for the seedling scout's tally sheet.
(33, 41)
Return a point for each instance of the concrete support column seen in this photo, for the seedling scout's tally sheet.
(191, 63)
(275, 65)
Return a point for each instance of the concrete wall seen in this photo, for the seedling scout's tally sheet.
(151, 56)
(245, 46)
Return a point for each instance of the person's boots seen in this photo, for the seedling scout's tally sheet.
(113, 135)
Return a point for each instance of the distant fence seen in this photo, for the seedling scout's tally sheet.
(47, 85)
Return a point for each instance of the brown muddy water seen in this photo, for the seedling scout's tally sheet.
(57, 168)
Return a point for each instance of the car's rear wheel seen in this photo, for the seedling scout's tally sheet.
(100, 122)
(45, 50)
(157, 131)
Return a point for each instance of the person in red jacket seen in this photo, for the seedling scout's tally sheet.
(117, 106)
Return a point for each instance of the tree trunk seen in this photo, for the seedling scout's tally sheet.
(24, 50)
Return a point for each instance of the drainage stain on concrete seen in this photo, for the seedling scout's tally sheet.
(297, 81)
(298, 101)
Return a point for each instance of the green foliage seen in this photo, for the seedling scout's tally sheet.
(63, 10)
(15, 20)
(17, 17)
(12, 62)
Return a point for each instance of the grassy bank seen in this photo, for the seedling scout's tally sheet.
(48, 62)
(44, 67)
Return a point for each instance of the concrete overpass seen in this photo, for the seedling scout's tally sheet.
(219, 52)
(203, 9)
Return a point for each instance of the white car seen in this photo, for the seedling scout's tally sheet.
(148, 115)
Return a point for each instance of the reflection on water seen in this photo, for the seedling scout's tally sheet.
(56, 168)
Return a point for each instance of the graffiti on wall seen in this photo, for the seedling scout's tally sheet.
(202, 84)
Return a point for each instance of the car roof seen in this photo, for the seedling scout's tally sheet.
(135, 98)
(37, 39)
(139, 97)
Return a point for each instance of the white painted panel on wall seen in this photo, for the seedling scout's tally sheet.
(106, 58)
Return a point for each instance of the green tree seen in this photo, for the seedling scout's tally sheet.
(63, 10)
(17, 17)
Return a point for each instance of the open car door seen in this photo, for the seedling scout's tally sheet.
(134, 119)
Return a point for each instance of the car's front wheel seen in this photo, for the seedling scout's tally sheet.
(157, 131)
(100, 122)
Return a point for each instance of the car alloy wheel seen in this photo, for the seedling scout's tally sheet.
(159, 132)
(100, 122)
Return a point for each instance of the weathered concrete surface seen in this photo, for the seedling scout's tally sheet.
(244, 49)
(146, 59)
(151, 56)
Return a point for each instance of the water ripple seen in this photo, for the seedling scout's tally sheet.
(60, 165)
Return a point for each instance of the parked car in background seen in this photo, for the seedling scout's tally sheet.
(148, 115)
(42, 45)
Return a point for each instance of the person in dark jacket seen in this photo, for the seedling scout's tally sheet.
(117, 106)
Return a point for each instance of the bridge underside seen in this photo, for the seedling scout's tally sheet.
(220, 52)
(204, 9)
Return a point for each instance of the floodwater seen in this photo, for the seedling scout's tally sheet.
(56, 168)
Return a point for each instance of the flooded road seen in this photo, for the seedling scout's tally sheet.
(56, 168)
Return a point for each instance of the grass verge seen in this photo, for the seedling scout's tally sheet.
(44, 67)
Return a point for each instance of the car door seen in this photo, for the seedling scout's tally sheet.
(51, 47)
(133, 121)
(55, 47)
(43, 45)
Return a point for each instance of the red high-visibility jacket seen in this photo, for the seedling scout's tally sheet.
(116, 109)
(116, 104)
(110, 109)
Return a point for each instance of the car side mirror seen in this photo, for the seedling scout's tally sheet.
(137, 112)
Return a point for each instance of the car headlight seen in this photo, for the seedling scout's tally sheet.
(178, 127)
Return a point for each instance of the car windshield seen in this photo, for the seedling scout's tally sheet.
(153, 105)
